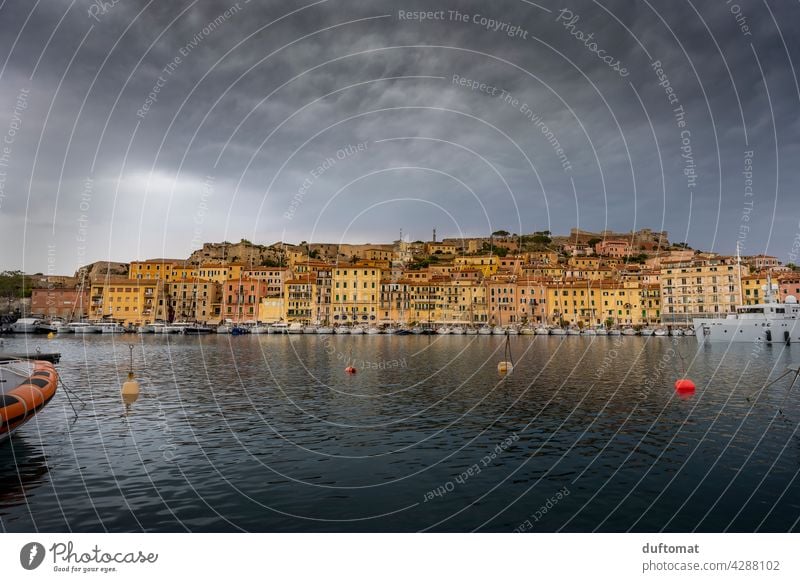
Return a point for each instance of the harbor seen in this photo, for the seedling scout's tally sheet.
(267, 432)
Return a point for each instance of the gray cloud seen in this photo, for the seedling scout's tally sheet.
(250, 111)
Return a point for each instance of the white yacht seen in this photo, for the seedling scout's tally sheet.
(373, 330)
(295, 328)
(444, 330)
(357, 330)
(484, 330)
(278, 327)
(110, 327)
(26, 325)
(458, 330)
(558, 331)
(310, 329)
(342, 329)
(542, 330)
(82, 327)
(325, 330)
(661, 332)
(259, 328)
(769, 322)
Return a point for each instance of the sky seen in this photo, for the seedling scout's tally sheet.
(134, 129)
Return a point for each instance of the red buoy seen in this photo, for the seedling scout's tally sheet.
(684, 385)
(350, 370)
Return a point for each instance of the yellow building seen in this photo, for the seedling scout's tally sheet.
(701, 287)
(754, 288)
(220, 273)
(487, 264)
(127, 301)
(193, 300)
(355, 293)
(300, 298)
(594, 302)
(271, 309)
(155, 268)
(651, 302)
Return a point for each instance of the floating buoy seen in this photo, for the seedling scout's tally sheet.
(350, 370)
(505, 367)
(50, 335)
(130, 387)
(684, 385)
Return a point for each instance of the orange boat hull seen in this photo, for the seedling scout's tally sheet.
(19, 405)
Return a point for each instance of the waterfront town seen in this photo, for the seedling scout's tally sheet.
(580, 280)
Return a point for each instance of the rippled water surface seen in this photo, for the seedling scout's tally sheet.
(267, 433)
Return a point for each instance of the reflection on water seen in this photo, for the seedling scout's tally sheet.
(267, 433)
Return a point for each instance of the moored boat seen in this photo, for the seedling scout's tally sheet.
(81, 327)
(542, 330)
(484, 330)
(558, 331)
(111, 327)
(324, 330)
(295, 328)
(26, 325)
(25, 388)
(278, 327)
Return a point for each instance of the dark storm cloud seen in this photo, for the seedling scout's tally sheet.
(151, 127)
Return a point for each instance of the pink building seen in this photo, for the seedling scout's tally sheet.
(613, 248)
(789, 284)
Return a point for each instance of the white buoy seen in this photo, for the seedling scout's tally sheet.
(130, 387)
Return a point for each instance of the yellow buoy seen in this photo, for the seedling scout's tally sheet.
(131, 386)
(50, 335)
(505, 367)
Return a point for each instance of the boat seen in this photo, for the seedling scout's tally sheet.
(676, 332)
(471, 331)
(111, 327)
(661, 332)
(196, 329)
(558, 331)
(484, 330)
(324, 330)
(310, 329)
(295, 328)
(278, 327)
(342, 329)
(176, 327)
(457, 330)
(688, 331)
(51, 326)
(373, 331)
(239, 330)
(589, 331)
(498, 330)
(511, 330)
(258, 328)
(82, 327)
(647, 331)
(768, 322)
(444, 330)
(224, 328)
(628, 331)
(25, 389)
(357, 330)
(601, 331)
(541, 330)
(417, 330)
(402, 331)
(527, 330)
(158, 327)
(26, 325)
(614, 331)
(573, 331)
